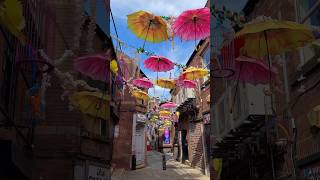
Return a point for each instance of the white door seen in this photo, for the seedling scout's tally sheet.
(140, 144)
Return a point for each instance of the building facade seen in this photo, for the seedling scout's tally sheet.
(287, 156)
(58, 143)
(130, 143)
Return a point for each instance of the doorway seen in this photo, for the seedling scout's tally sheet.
(184, 144)
(140, 144)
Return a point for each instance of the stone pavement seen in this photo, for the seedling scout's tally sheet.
(153, 170)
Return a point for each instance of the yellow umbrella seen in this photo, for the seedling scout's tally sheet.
(166, 83)
(11, 17)
(92, 103)
(164, 113)
(137, 93)
(148, 26)
(266, 36)
(193, 73)
(114, 66)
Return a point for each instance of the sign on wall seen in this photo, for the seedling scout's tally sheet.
(97, 173)
(141, 118)
(166, 139)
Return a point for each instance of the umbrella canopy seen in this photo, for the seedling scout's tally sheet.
(266, 36)
(11, 17)
(137, 93)
(95, 66)
(186, 83)
(193, 73)
(169, 105)
(143, 83)
(95, 104)
(148, 26)
(253, 71)
(193, 24)
(164, 113)
(158, 64)
(166, 83)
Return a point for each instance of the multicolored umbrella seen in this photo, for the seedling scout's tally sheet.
(143, 83)
(11, 17)
(148, 27)
(94, 104)
(166, 83)
(265, 36)
(168, 105)
(193, 24)
(158, 64)
(95, 66)
(139, 94)
(193, 73)
(253, 71)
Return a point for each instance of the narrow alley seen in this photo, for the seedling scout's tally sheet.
(153, 170)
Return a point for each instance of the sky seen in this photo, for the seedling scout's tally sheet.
(182, 50)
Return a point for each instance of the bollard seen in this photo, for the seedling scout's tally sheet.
(164, 165)
(133, 162)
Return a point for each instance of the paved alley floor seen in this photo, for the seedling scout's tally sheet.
(153, 170)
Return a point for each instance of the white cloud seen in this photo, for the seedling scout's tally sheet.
(121, 8)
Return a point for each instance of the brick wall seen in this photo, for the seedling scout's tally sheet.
(195, 145)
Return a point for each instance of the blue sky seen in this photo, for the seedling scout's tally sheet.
(182, 49)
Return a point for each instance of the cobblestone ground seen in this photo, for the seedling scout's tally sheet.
(153, 170)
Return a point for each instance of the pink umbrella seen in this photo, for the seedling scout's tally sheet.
(169, 105)
(143, 83)
(186, 83)
(193, 24)
(158, 64)
(253, 71)
(95, 66)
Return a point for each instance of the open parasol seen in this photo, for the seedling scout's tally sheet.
(158, 64)
(193, 24)
(168, 105)
(95, 66)
(139, 94)
(193, 73)
(186, 83)
(166, 83)
(148, 27)
(252, 71)
(95, 104)
(143, 83)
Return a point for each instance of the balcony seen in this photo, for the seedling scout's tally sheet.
(250, 103)
(183, 95)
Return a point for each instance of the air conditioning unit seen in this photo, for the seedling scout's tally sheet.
(249, 101)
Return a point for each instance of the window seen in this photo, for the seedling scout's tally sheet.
(305, 8)
(206, 61)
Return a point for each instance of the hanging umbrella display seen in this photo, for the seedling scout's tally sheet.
(253, 71)
(139, 94)
(186, 83)
(158, 64)
(95, 66)
(148, 27)
(114, 67)
(265, 36)
(11, 17)
(193, 24)
(95, 104)
(166, 83)
(143, 83)
(168, 105)
(193, 73)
